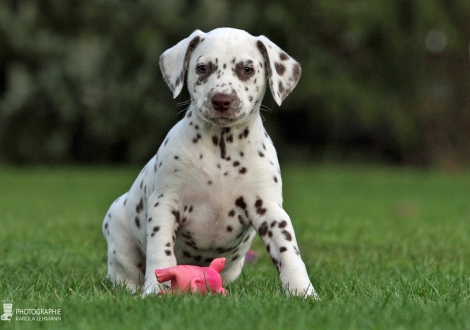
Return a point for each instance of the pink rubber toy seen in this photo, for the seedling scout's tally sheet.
(186, 278)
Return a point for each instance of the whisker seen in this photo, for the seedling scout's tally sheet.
(183, 103)
(265, 108)
(184, 110)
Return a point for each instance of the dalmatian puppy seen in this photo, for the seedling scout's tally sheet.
(215, 181)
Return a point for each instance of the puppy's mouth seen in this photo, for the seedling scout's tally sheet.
(220, 114)
(219, 118)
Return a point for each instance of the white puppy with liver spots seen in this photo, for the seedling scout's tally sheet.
(215, 181)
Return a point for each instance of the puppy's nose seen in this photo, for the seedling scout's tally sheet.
(221, 102)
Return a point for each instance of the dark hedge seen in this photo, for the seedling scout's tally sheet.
(382, 81)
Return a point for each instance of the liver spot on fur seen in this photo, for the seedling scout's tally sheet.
(280, 68)
(263, 229)
(283, 56)
(240, 202)
(287, 235)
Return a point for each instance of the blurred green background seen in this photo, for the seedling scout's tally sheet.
(383, 81)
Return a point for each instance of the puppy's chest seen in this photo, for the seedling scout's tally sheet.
(215, 217)
(215, 160)
(212, 196)
(214, 225)
(215, 178)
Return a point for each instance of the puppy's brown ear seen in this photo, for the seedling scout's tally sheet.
(174, 61)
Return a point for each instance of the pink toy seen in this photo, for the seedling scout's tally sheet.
(186, 278)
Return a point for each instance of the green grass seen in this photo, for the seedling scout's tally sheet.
(386, 248)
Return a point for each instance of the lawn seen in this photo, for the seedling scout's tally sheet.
(386, 248)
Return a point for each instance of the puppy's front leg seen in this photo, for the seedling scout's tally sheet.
(162, 225)
(275, 229)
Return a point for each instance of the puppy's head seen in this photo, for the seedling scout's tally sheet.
(227, 71)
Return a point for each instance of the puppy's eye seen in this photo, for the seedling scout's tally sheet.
(247, 70)
(202, 69)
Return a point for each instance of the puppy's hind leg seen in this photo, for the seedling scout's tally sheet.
(126, 262)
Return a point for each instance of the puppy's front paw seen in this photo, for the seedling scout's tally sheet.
(303, 289)
(155, 288)
(151, 289)
(304, 293)
(311, 293)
